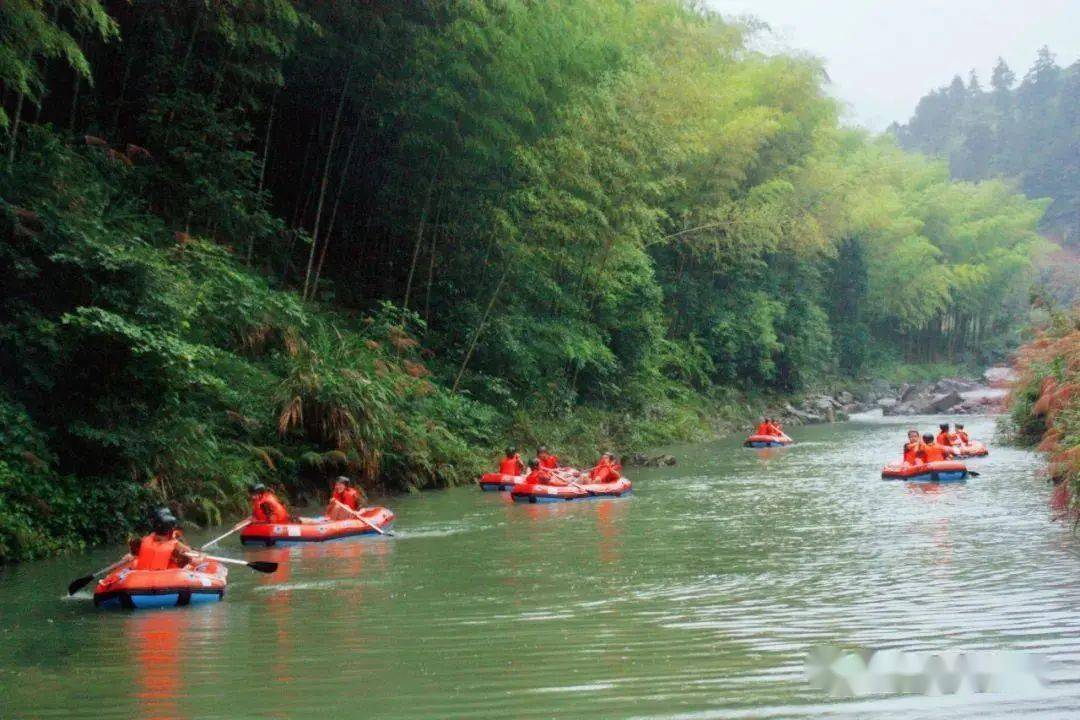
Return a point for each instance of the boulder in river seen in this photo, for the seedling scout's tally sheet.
(939, 404)
(643, 460)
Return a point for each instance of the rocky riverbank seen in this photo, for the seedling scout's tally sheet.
(952, 396)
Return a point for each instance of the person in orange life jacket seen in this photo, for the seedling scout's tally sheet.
(539, 475)
(961, 434)
(161, 549)
(932, 451)
(775, 428)
(346, 494)
(945, 437)
(547, 460)
(912, 448)
(511, 464)
(265, 507)
(763, 427)
(607, 470)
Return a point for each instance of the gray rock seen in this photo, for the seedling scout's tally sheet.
(845, 397)
(823, 403)
(947, 385)
(913, 391)
(886, 402)
(939, 404)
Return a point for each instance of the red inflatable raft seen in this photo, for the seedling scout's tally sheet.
(316, 529)
(497, 482)
(944, 471)
(129, 588)
(763, 441)
(560, 493)
(972, 449)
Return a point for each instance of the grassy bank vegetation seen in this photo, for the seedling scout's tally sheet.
(285, 240)
(1045, 402)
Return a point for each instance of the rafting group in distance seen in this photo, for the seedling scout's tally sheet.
(543, 480)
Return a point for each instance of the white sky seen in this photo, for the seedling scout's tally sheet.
(883, 55)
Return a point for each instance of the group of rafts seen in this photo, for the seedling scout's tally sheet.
(926, 458)
(545, 481)
(161, 571)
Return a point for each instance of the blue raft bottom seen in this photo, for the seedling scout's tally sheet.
(956, 476)
(762, 444)
(148, 601)
(534, 500)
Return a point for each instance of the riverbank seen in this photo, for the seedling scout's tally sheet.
(1044, 406)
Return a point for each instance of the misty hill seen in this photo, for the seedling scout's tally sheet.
(1029, 131)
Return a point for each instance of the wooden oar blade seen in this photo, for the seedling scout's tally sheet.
(263, 566)
(77, 585)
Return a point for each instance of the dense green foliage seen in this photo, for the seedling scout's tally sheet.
(1029, 131)
(268, 238)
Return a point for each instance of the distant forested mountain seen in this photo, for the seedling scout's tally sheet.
(1030, 131)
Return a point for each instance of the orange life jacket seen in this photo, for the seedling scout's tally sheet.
(350, 498)
(934, 453)
(540, 476)
(549, 462)
(911, 452)
(156, 553)
(945, 438)
(963, 436)
(277, 514)
(774, 429)
(511, 466)
(762, 429)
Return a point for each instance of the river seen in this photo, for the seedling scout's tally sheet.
(696, 597)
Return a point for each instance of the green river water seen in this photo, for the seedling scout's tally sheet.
(696, 597)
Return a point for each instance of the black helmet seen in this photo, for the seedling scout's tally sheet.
(534, 463)
(257, 488)
(343, 480)
(163, 521)
(511, 451)
(944, 426)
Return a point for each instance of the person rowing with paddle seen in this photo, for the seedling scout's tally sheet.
(546, 459)
(344, 498)
(162, 548)
(539, 475)
(933, 451)
(265, 506)
(961, 434)
(606, 470)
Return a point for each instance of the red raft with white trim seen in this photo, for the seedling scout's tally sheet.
(764, 441)
(972, 449)
(942, 471)
(131, 589)
(497, 482)
(561, 493)
(317, 529)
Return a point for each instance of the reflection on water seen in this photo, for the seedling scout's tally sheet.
(696, 597)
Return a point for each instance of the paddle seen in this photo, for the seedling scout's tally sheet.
(972, 473)
(239, 526)
(262, 566)
(570, 482)
(361, 518)
(76, 585)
